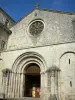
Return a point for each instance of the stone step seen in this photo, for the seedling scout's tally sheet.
(28, 98)
(23, 98)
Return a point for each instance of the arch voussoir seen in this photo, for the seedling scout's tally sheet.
(19, 67)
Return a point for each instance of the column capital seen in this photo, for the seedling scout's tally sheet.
(53, 68)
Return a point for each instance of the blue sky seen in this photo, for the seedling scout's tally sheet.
(18, 8)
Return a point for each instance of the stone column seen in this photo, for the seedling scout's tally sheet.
(59, 86)
(15, 86)
(22, 79)
(49, 83)
(4, 81)
(56, 83)
(4, 85)
(44, 86)
(53, 82)
(8, 83)
(9, 88)
(19, 84)
(6, 76)
(12, 85)
(15, 76)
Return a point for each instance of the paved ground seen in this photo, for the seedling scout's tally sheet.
(28, 98)
(24, 98)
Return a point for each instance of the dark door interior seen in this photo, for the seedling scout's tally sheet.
(32, 79)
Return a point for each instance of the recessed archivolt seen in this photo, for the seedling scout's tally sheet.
(67, 53)
(28, 58)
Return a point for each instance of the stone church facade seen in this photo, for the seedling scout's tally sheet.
(38, 51)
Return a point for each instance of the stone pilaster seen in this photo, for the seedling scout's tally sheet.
(44, 87)
(53, 83)
(22, 83)
(9, 87)
(12, 85)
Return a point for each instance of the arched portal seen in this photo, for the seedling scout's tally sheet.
(28, 63)
(32, 81)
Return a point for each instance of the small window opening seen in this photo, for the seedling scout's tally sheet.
(70, 83)
(73, 22)
(69, 61)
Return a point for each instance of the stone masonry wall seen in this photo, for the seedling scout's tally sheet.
(58, 28)
(56, 55)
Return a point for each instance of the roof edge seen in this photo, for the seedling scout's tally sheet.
(7, 14)
(44, 9)
(23, 17)
(58, 11)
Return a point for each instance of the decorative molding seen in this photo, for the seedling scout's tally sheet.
(66, 53)
(53, 68)
(27, 58)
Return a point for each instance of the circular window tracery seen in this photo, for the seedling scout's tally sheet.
(36, 27)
